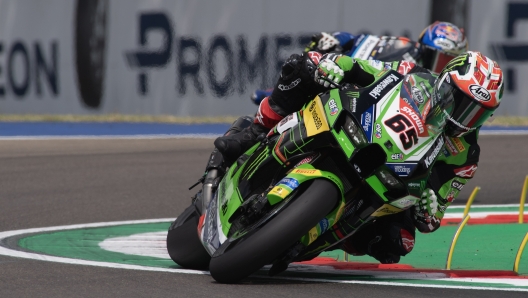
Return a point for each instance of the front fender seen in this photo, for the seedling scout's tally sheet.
(293, 180)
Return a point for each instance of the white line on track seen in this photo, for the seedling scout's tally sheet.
(21, 254)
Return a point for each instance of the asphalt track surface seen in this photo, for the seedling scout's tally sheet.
(63, 182)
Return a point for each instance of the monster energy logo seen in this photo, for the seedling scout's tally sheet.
(424, 88)
(457, 61)
(353, 94)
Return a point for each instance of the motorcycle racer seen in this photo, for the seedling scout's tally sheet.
(437, 44)
(463, 96)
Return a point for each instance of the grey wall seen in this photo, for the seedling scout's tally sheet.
(197, 58)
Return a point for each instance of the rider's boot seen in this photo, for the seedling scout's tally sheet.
(234, 145)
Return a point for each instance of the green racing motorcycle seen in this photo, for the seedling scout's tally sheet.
(349, 157)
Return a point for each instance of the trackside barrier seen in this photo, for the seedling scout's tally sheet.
(519, 254)
(470, 200)
(455, 239)
(523, 200)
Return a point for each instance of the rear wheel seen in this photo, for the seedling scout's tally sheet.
(183, 244)
(266, 244)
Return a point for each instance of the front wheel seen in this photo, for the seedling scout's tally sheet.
(183, 245)
(263, 246)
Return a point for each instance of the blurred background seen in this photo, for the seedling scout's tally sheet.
(204, 58)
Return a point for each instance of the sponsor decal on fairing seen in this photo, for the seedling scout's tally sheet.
(324, 225)
(417, 94)
(289, 182)
(287, 123)
(378, 131)
(366, 122)
(424, 89)
(402, 169)
(353, 104)
(397, 156)
(414, 185)
(376, 92)
(416, 119)
(333, 107)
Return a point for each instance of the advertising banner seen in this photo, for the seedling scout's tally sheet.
(203, 58)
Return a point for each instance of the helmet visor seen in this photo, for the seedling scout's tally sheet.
(434, 59)
(467, 114)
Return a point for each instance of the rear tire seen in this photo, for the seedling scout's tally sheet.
(263, 246)
(183, 244)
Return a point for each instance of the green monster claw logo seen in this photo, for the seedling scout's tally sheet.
(457, 61)
(353, 94)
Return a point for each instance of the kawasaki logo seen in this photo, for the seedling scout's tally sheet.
(431, 158)
(382, 85)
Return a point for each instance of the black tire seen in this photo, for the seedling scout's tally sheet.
(257, 249)
(183, 244)
(90, 49)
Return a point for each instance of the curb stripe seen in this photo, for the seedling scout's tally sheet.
(35, 256)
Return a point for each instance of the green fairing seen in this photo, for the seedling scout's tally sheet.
(345, 143)
(378, 187)
(229, 196)
(333, 105)
(272, 158)
(296, 139)
(301, 178)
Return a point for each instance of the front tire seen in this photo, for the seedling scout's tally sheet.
(257, 249)
(183, 244)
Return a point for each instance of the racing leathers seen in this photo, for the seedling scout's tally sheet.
(391, 236)
(362, 46)
(455, 165)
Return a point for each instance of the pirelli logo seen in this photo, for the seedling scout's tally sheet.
(314, 118)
